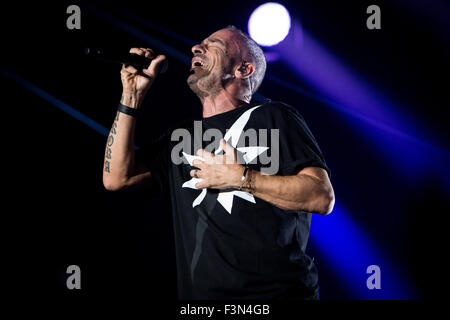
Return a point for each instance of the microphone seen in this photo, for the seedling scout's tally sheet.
(135, 60)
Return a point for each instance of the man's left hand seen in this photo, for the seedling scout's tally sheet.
(218, 171)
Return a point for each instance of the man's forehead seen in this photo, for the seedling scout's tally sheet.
(224, 36)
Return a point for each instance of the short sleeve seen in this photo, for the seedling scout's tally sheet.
(298, 148)
(155, 156)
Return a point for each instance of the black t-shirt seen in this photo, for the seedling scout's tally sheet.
(229, 244)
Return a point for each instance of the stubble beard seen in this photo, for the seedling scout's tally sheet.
(205, 86)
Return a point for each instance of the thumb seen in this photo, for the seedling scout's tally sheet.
(155, 66)
(226, 147)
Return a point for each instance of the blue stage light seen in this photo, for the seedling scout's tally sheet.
(269, 24)
(349, 251)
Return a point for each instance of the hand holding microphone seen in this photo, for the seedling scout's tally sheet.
(138, 81)
(140, 67)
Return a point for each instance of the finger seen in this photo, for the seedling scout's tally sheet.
(128, 70)
(160, 58)
(137, 51)
(226, 146)
(205, 154)
(149, 53)
(195, 173)
(202, 184)
(155, 66)
(198, 163)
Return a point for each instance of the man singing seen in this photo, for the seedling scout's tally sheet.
(243, 192)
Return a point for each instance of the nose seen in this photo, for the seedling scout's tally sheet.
(198, 48)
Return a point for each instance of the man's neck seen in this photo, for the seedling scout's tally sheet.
(220, 103)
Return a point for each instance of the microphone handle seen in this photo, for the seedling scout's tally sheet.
(135, 60)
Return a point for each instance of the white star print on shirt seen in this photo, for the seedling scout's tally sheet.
(225, 198)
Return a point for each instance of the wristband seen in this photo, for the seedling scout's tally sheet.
(129, 111)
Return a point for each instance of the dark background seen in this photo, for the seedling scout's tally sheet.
(58, 212)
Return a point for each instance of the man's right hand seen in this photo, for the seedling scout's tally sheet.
(136, 82)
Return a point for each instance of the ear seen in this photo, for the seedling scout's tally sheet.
(244, 70)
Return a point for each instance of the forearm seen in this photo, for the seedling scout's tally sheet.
(119, 159)
(298, 192)
(309, 190)
(120, 170)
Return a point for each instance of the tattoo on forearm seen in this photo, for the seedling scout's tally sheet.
(107, 166)
(113, 129)
(108, 153)
(109, 143)
(110, 140)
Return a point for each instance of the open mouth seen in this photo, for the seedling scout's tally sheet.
(197, 62)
